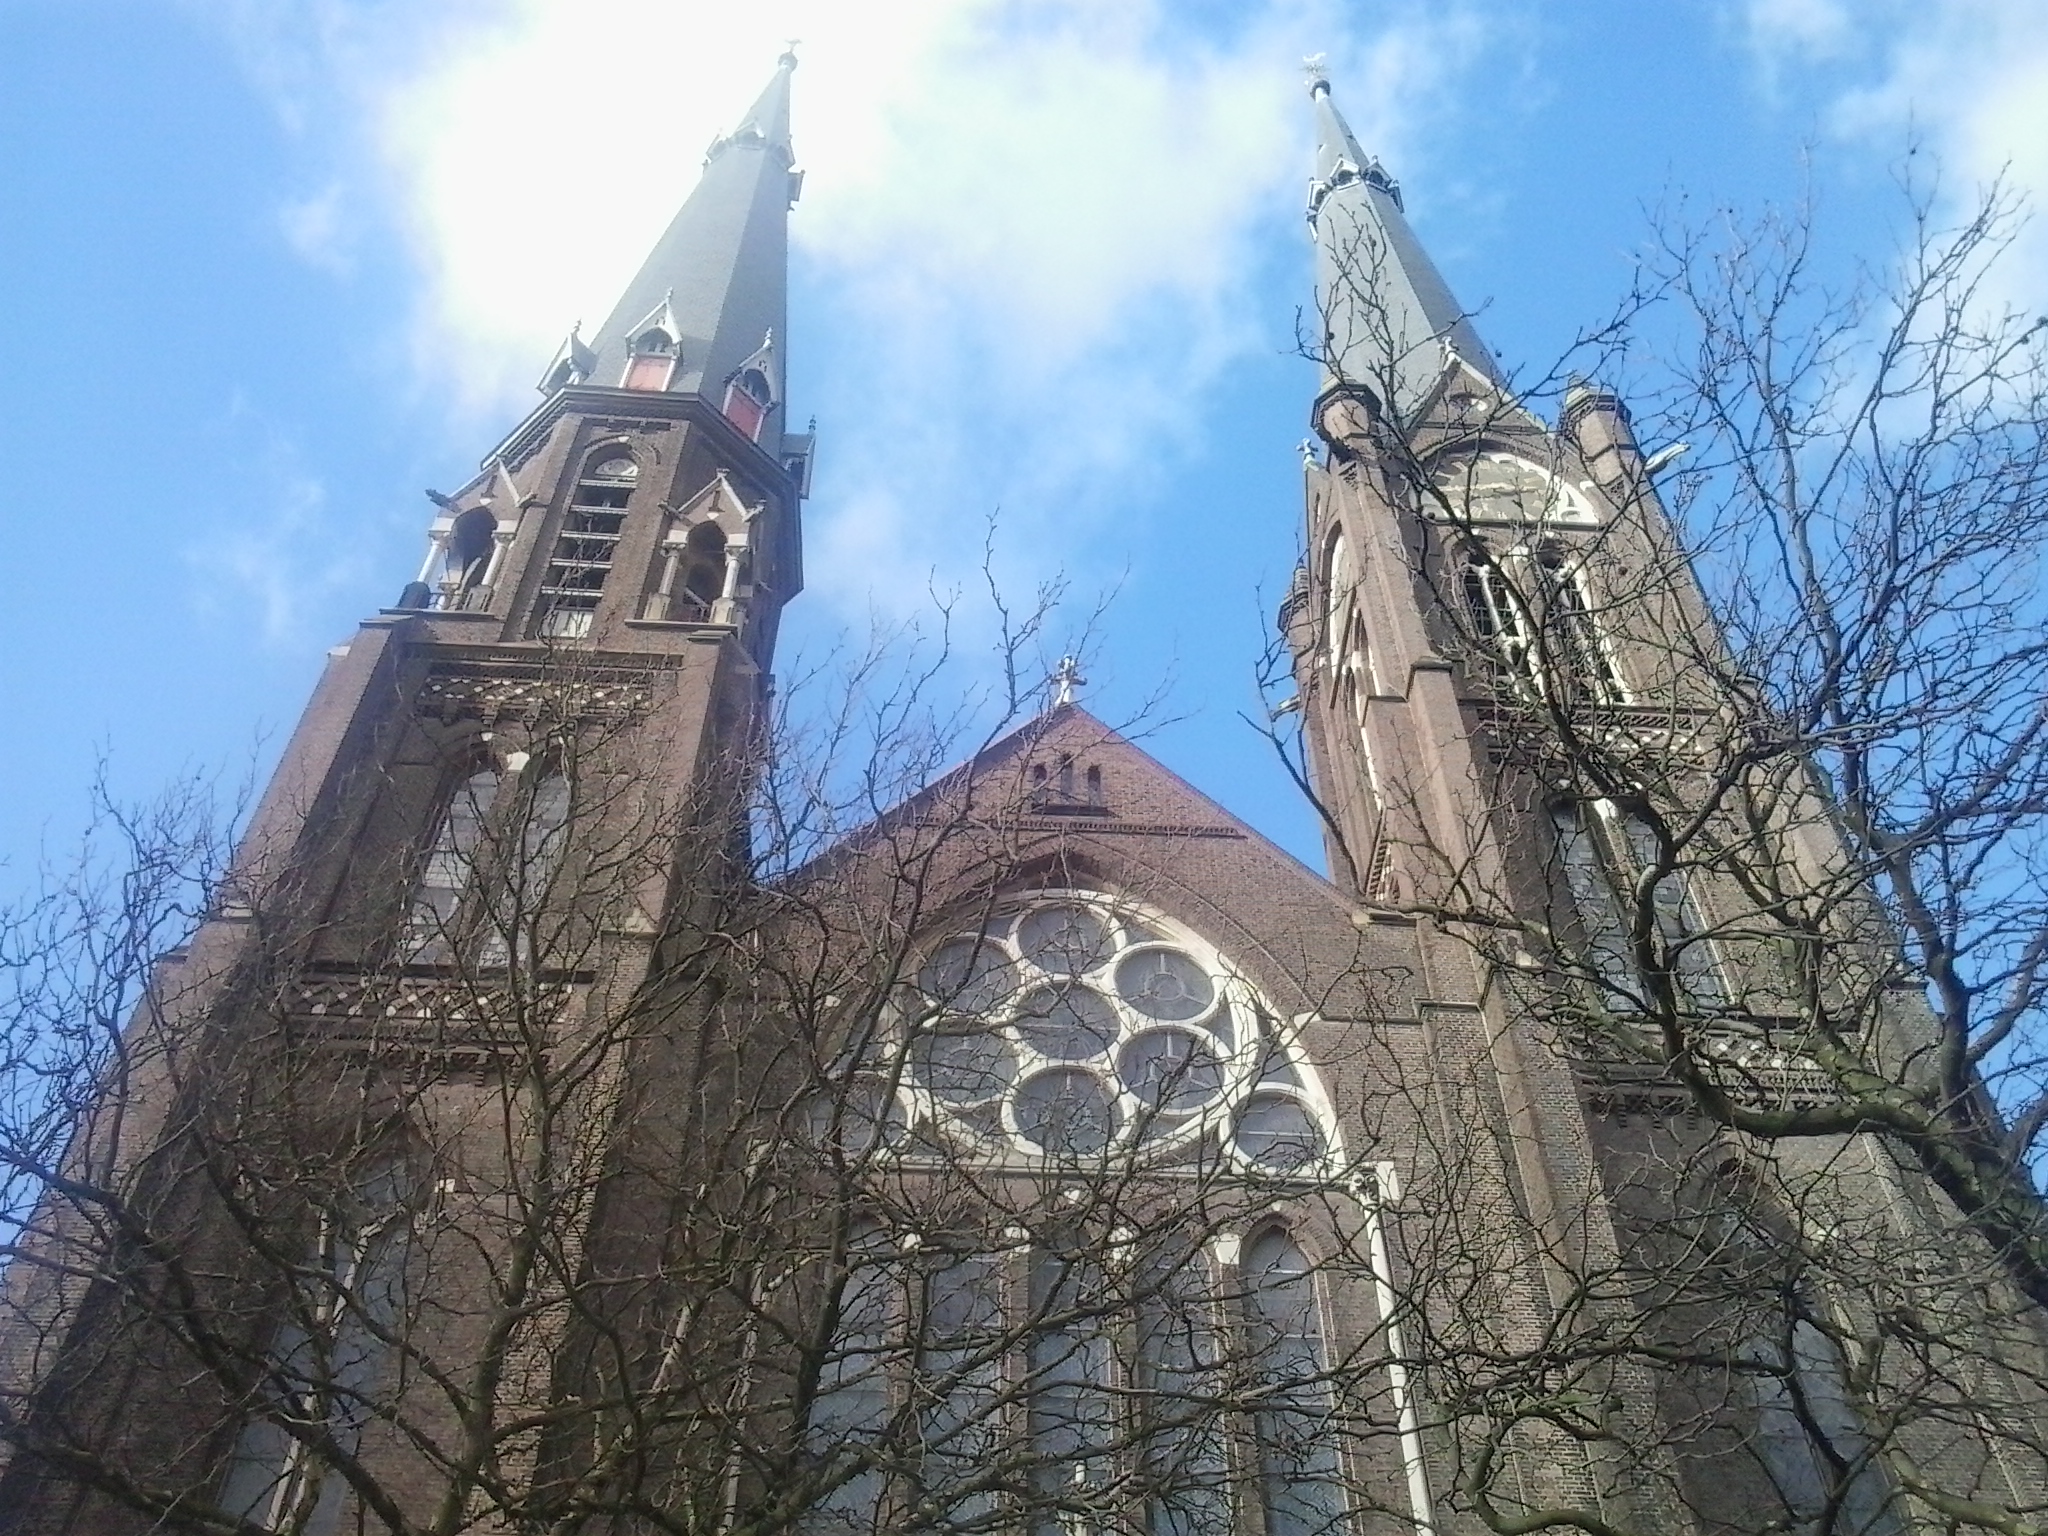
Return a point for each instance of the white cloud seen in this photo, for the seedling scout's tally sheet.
(318, 228)
(1966, 79)
(272, 560)
(1041, 220)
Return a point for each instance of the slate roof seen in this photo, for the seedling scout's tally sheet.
(1387, 313)
(722, 265)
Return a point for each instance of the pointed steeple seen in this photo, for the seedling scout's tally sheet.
(718, 278)
(1388, 320)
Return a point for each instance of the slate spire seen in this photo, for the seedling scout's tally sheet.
(1386, 315)
(719, 275)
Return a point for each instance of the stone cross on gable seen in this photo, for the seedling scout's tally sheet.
(1066, 678)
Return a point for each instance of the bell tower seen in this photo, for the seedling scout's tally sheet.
(479, 836)
(1448, 535)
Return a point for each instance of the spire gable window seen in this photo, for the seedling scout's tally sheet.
(750, 391)
(652, 360)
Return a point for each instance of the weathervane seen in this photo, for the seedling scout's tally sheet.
(1066, 678)
(1316, 67)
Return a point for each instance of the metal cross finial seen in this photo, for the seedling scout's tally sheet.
(1066, 678)
(1316, 67)
(1309, 459)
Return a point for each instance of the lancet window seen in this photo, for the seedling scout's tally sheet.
(1543, 632)
(484, 882)
(1116, 1394)
(585, 547)
(1299, 1476)
(450, 864)
(1811, 1441)
(1605, 855)
(323, 1361)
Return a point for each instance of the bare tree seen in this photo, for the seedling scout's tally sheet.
(404, 1219)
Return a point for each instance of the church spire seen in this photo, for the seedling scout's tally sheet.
(716, 282)
(1388, 318)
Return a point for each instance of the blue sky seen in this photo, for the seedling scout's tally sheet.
(270, 267)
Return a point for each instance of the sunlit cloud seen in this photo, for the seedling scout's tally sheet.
(1964, 80)
(1034, 228)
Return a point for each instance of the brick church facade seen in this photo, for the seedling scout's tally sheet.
(513, 1148)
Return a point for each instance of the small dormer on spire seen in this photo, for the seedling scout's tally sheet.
(653, 347)
(751, 393)
(573, 363)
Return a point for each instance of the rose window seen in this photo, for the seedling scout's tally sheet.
(1072, 1027)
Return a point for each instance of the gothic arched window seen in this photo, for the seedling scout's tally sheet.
(1070, 1408)
(852, 1398)
(1177, 1375)
(323, 1361)
(1811, 1441)
(1604, 854)
(1338, 588)
(959, 1369)
(1576, 644)
(1300, 1482)
(1496, 614)
(533, 845)
(450, 865)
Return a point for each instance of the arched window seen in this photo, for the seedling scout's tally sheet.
(1177, 1378)
(450, 865)
(748, 399)
(585, 546)
(470, 543)
(653, 360)
(324, 1359)
(515, 904)
(1812, 1442)
(1299, 1477)
(1338, 587)
(1576, 645)
(1603, 856)
(703, 576)
(852, 1402)
(959, 1379)
(1071, 1415)
(1495, 612)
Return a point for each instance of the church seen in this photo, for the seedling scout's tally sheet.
(529, 1139)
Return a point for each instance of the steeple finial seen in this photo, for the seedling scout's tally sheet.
(718, 277)
(1388, 318)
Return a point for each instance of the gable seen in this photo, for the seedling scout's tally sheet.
(1066, 802)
